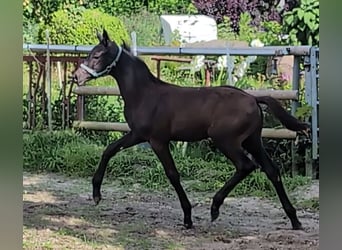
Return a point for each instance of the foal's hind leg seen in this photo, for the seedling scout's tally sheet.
(163, 152)
(126, 141)
(254, 146)
(244, 166)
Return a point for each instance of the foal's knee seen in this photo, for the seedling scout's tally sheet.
(106, 155)
(173, 176)
(272, 172)
(245, 167)
(218, 199)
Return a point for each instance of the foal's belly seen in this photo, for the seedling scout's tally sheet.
(189, 131)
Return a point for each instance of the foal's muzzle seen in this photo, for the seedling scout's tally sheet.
(80, 76)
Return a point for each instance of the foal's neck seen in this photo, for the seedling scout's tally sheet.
(133, 78)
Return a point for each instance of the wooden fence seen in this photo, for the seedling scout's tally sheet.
(115, 126)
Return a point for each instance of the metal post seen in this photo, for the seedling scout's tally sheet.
(314, 117)
(134, 42)
(80, 102)
(48, 80)
(230, 66)
(64, 82)
(308, 98)
(294, 106)
(314, 114)
(30, 97)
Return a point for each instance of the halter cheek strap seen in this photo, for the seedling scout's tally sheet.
(107, 69)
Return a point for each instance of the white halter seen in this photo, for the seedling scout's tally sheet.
(106, 70)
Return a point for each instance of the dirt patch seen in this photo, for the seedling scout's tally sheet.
(60, 214)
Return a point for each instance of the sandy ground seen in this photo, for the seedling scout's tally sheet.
(60, 214)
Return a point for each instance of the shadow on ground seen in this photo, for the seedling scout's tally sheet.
(59, 213)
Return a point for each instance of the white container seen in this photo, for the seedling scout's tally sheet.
(188, 28)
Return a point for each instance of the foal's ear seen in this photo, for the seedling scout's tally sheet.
(105, 37)
(99, 36)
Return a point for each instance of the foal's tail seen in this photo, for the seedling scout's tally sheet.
(289, 121)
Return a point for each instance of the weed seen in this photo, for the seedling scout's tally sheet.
(309, 204)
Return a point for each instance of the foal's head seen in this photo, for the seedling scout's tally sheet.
(100, 61)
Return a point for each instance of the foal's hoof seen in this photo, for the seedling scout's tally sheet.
(188, 225)
(97, 199)
(297, 226)
(214, 214)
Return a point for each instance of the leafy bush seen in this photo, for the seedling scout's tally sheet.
(302, 23)
(259, 10)
(146, 25)
(170, 6)
(38, 11)
(30, 31)
(77, 26)
(130, 8)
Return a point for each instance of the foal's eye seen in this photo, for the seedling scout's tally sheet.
(97, 55)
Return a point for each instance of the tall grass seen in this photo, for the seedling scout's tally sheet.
(147, 27)
(201, 169)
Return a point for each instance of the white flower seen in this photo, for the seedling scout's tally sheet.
(222, 62)
(243, 65)
(199, 62)
(250, 59)
(257, 43)
(240, 72)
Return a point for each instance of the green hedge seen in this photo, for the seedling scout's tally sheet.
(77, 26)
(39, 11)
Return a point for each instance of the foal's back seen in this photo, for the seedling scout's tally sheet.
(207, 99)
(194, 113)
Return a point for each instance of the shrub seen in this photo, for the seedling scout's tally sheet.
(259, 10)
(39, 11)
(170, 6)
(302, 23)
(30, 31)
(77, 26)
(146, 25)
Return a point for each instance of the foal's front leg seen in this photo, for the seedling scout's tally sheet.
(163, 152)
(128, 140)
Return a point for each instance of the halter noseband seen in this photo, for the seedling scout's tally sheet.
(106, 70)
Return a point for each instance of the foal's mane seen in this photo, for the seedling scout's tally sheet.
(141, 63)
(126, 47)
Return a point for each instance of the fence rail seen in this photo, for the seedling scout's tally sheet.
(123, 127)
(162, 50)
(277, 94)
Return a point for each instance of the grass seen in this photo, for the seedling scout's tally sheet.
(201, 169)
(60, 239)
(309, 204)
